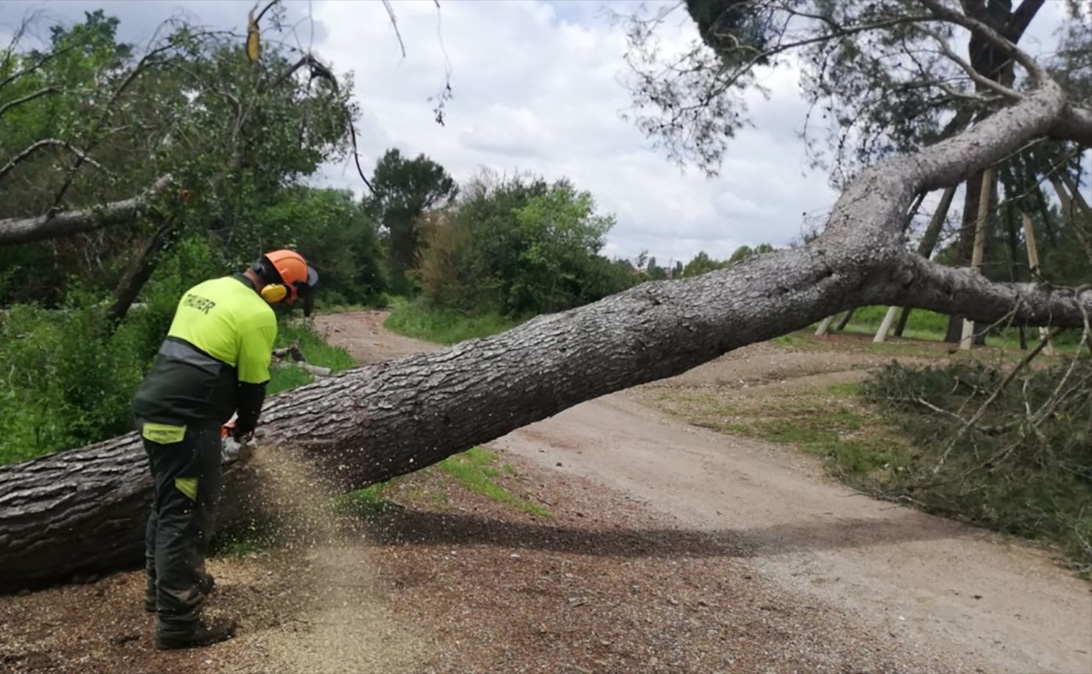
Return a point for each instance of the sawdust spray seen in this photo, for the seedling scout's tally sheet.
(342, 621)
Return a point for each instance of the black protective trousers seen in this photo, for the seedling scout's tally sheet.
(182, 518)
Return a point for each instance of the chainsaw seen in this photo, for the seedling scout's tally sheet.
(230, 448)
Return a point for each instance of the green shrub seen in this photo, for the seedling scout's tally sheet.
(68, 380)
(1008, 472)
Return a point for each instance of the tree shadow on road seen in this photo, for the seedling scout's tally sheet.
(448, 529)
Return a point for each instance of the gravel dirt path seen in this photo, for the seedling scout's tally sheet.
(666, 548)
(933, 585)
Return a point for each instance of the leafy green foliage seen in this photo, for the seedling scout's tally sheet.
(233, 134)
(1012, 471)
(519, 247)
(68, 381)
(336, 234)
(404, 190)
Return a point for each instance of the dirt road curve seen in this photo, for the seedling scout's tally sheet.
(932, 585)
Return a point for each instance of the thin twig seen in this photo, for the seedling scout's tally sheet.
(48, 142)
(394, 24)
(26, 99)
(993, 396)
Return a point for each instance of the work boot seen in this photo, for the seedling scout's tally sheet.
(205, 584)
(200, 634)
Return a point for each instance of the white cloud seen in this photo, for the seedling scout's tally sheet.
(536, 88)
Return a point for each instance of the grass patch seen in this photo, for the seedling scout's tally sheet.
(477, 470)
(315, 349)
(853, 440)
(367, 502)
(444, 326)
(933, 327)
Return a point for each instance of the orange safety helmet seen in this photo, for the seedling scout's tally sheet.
(287, 276)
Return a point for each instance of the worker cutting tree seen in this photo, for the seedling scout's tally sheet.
(213, 364)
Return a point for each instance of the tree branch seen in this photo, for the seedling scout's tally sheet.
(1021, 19)
(1075, 125)
(48, 142)
(1035, 71)
(979, 78)
(26, 99)
(36, 65)
(25, 230)
(923, 284)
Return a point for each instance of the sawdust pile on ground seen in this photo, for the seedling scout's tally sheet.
(337, 618)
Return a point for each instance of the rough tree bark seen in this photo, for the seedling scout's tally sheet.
(26, 230)
(82, 510)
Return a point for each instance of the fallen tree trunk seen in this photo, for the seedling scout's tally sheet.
(82, 511)
(26, 230)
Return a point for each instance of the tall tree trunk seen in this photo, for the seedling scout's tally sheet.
(141, 269)
(1048, 222)
(965, 245)
(991, 61)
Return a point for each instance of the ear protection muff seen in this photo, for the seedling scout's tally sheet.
(274, 292)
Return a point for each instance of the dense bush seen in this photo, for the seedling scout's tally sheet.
(68, 379)
(518, 247)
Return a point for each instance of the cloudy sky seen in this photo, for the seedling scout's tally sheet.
(536, 88)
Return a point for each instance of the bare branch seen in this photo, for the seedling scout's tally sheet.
(48, 142)
(28, 98)
(36, 65)
(25, 230)
(979, 78)
(394, 25)
(1035, 71)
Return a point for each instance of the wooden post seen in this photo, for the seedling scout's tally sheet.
(1033, 263)
(824, 327)
(885, 326)
(980, 229)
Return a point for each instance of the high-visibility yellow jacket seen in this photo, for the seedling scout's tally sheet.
(215, 359)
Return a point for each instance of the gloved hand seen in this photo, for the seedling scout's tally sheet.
(241, 433)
